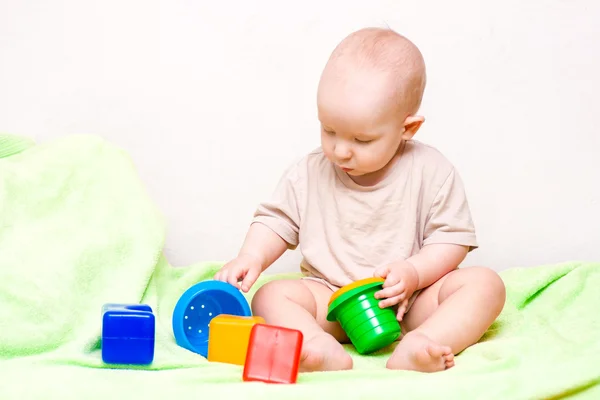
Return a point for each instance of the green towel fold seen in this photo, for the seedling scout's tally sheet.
(13, 144)
(78, 230)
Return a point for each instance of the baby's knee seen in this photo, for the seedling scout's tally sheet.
(491, 284)
(265, 295)
(276, 294)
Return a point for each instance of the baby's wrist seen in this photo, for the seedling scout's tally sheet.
(256, 258)
(415, 272)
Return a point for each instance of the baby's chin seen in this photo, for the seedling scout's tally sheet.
(354, 172)
(351, 171)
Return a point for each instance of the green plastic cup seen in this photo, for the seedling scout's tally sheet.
(368, 326)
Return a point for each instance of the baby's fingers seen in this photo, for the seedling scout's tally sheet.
(250, 278)
(229, 275)
(391, 301)
(382, 272)
(234, 276)
(221, 275)
(402, 309)
(391, 291)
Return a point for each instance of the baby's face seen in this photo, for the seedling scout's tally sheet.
(361, 124)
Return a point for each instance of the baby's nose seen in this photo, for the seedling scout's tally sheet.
(342, 152)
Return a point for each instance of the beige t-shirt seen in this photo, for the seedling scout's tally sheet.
(345, 231)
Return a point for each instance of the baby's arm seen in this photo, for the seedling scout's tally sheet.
(275, 228)
(404, 277)
(448, 235)
(261, 248)
(436, 260)
(263, 244)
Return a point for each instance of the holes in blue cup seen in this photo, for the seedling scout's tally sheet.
(202, 309)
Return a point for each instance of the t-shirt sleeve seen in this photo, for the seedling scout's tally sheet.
(280, 212)
(449, 219)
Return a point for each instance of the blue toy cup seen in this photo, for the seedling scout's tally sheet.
(198, 305)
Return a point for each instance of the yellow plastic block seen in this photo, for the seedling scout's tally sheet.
(228, 338)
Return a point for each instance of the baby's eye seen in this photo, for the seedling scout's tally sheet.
(364, 141)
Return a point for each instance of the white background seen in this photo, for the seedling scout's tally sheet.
(214, 99)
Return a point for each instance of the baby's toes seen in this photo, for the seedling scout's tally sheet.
(449, 360)
(437, 351)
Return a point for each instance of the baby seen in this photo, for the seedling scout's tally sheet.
(371, 201)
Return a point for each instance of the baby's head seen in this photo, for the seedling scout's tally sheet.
(368, 97)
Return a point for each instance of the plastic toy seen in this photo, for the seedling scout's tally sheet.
(273, 354)
(368, 326)
(127, 334)
(229, 337)
(198, 305)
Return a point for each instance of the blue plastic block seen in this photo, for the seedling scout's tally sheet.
(128, 334)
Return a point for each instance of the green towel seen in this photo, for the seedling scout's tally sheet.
(13, 144)
(77, 230)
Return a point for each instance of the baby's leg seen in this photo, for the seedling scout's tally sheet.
(302, 305)
(447, 317)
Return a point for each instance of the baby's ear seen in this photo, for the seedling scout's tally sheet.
(412, 125)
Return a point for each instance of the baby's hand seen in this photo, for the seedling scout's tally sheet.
(401, 281)
(244, 267)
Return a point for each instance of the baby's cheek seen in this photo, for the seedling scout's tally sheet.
(374, 161)
(327, 151)
(363, 157)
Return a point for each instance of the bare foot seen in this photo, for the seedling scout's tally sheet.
(324, 353)
(416, 352)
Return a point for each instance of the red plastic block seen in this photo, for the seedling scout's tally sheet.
(273, 354)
